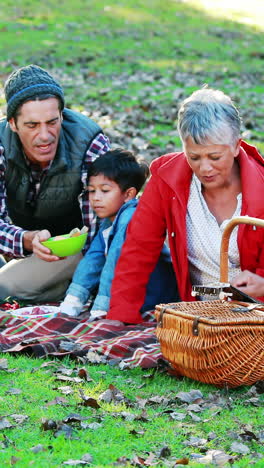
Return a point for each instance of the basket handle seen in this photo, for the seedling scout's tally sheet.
(225, 241)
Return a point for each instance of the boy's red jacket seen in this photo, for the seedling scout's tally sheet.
(162, 211)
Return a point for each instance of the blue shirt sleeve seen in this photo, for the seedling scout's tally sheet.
(102, 299)
(87, 274)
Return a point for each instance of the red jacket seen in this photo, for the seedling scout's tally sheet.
(162, 210)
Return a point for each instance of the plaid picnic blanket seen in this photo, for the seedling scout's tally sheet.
(125, 345)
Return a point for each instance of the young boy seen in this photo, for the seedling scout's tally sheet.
(115, 178)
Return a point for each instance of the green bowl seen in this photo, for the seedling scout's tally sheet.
(66, 246)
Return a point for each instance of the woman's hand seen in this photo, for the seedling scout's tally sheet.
(249, 283)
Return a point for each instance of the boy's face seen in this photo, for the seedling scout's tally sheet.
(105, 196)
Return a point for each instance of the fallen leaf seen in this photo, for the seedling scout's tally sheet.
(72, 462)
(239, 448)
(195, 408)
(260, 386)
(48, 424)
(14, 460)
(66, 430)
(248, 435)
(57, 401)
(66, 390)
(178, 416)
(253, 401)
(83, 374)
(121, 461)
(182, 461)
(19, 418)
(195, 442)
(194, 416)
(216, 457)
(158, 400)
(38, 448)
(93, 426)
(49, 364)
(143, 416)
(190, 397)
(66, 378)
(92, 402)
(95, 358)
(3, 364)
(69, 346)
(73, 417)
(107, 396)
(149, 461)
(136, 433)
(85, 460)
(127, 416)
(64, 370)
(141, 402)
(13, 391)
(165, 452)
(87, 457)
(5, 423)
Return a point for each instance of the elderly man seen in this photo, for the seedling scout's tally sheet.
(45, 152)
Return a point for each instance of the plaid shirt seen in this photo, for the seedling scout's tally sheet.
(11, 237)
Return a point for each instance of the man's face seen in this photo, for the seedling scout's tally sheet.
(38, 126)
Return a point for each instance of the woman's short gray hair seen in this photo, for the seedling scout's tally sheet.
(209, 116)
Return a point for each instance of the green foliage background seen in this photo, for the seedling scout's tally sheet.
(116, 55)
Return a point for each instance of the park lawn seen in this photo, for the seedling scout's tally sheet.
(129, 63)
(52, 412)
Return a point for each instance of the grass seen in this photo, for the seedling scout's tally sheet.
(118, 432)
(141, 50)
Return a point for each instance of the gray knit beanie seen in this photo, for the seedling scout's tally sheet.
(29, 82)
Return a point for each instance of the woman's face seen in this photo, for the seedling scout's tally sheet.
(212, 164)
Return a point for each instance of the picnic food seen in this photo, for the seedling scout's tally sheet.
(75, 232)
(40, 310)
(67, 244)
(58, 238)
(35, 312)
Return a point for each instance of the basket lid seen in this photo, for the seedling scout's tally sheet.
(215, 312)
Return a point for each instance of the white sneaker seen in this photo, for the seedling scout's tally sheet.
(71, 306)
(97, 315)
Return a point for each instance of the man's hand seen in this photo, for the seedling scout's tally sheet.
(249, 283)
(40, 250)
(28, 237)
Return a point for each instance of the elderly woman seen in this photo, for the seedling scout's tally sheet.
(190, 198)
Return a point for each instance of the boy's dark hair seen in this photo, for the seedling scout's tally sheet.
(122, 167)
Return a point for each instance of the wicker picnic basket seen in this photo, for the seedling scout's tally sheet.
(219, 342)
